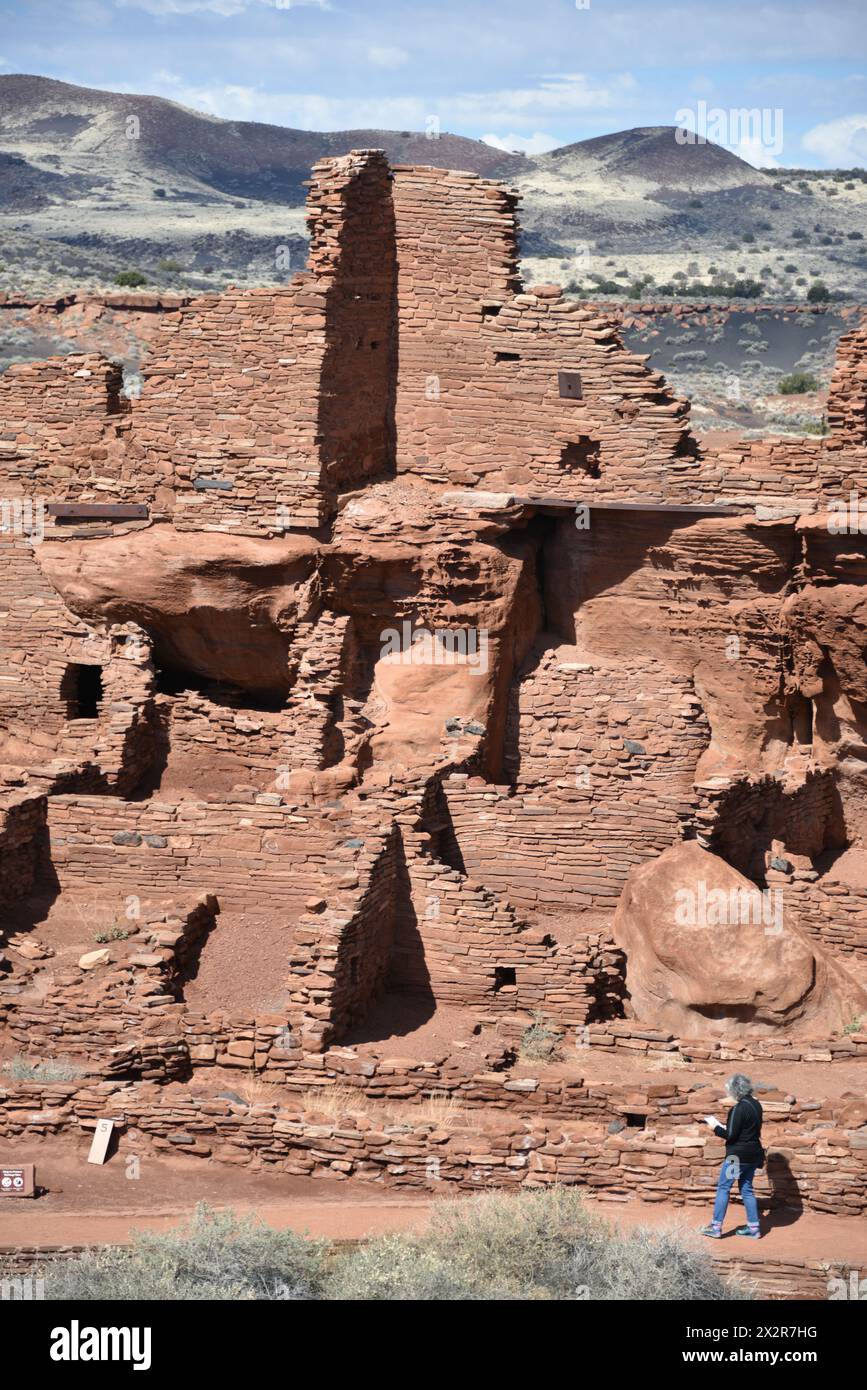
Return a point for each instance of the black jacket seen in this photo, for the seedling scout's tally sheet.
(743, 1132)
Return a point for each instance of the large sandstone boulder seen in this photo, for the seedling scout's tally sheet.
(708, 956)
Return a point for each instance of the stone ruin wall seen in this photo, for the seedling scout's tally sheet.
(665, 1158)
(397, 410)
(275, 397)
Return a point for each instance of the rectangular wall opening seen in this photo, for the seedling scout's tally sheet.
(81, 688)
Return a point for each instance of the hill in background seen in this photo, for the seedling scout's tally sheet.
(93, 183)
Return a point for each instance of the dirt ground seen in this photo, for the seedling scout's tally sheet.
(87, 1204)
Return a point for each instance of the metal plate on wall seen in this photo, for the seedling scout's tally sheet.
(569, 384)
(99, 511)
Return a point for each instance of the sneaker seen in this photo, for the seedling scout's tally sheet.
(715, 1232)
(748, 1231)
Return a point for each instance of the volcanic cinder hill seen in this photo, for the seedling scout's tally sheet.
(94, 182)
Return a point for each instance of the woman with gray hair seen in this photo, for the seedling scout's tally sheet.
(744, 1154)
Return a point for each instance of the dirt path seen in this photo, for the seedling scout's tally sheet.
(353, 1217)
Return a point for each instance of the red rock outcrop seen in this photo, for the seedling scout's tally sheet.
(708, 952)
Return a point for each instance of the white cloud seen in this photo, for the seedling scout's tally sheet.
(526, 144)
(756, 152)
(508, 109)
(554, 97)
(842, 144)
(302, 110)
(388, 57)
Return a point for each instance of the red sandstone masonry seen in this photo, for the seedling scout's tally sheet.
(258, 408)
(847, 397)
(478, 394)
(821, 1161)
(22, 823)
(221, 436)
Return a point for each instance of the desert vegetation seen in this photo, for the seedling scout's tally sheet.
(540, 1245)
(54, 1069)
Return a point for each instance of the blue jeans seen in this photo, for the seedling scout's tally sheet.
(733, 1168)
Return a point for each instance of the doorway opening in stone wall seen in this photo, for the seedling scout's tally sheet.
(81, 688)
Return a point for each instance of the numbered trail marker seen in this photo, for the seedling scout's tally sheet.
(101, 1140)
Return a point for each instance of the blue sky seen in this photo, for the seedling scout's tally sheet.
(523, 74)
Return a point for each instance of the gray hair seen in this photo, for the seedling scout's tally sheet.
(739, 1086)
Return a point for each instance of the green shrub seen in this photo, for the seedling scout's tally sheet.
(818, 292)
(542, 1244)
(607, 287)
(216, 1255)
(113, 934)
(797, 383)
(131, 279)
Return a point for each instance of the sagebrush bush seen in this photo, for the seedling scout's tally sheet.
(216, 1255)
(539, 1245)
(53, 1069)
(797, 383)
(542, 1244)
(399, 1268)
(539, 1042)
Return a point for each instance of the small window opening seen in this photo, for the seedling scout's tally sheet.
(582, 457)
(507, 357)
(504, 975)
(635, 1121)
(81, 688)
